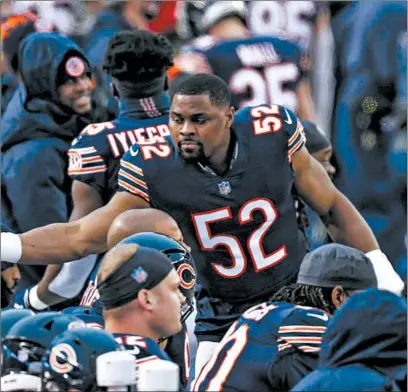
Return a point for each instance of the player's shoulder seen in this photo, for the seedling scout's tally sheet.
(281, 46)
(139, 154)
(252, 113)
(302, 328)
(308, 316)
(201, 44)
(93, 135)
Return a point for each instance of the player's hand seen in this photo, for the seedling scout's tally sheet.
(387, 278)
(22, 300)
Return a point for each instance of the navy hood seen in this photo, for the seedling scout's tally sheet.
(34, 111)
(41, 55)
(369, 329)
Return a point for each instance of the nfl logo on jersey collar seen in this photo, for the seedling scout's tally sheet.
(224, 188)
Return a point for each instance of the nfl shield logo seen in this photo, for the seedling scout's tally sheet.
(224, 188)
(139, 275)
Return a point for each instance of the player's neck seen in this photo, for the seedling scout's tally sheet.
(230, 28)
(220, 161)
(132, 326)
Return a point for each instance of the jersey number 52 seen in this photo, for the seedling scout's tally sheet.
(260, 260)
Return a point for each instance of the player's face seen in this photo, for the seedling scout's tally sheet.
(324, 157)
(168, 306)
(197, 127)
(76, 94)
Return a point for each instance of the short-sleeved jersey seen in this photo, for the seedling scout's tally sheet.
(294, 21)
(95, 155)
(242, 226)
(244, 360)
(258, 70)
(144, 349)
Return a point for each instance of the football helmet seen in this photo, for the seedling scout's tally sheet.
(180, 257)
(9, 317)
(70, 361)
(27, 340)
(89, 315)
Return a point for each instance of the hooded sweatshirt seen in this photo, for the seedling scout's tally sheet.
(37, 131)
(364, 347)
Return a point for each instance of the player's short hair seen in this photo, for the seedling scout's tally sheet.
(204, 84)
(138, 56)
(305, 295)
(115, 258)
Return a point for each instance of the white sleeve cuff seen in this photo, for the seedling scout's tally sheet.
(11, 248)
(387, 278)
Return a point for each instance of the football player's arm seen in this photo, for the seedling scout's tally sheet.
(305, 107)
(85, 236)
(61, 242)
(343, 221)
(315, 186)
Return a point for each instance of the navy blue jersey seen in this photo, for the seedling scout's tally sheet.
(258, 70)
(250, 353)
(95, 155)
(242, 226)
(144, 349)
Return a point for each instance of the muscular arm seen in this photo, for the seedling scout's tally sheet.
(62, 242)
(343, 221)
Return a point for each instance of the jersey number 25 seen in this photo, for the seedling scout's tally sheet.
(266, 86)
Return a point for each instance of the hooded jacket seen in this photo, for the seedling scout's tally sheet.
(364, 347)
(37, 131)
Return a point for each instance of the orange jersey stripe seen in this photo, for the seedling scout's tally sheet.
(133, 168)
(132, 178)
(133, 190)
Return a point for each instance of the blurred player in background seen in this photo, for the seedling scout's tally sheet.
(257, 70)
(367, 115)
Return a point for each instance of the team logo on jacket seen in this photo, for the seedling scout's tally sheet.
(224, 188)
(187, 276)
(75, 66)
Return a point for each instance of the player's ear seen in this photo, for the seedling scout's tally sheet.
(145, 299)
(230, 113)
(338, 296)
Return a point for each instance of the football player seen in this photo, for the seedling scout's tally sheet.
(139, 291)
(274, 345)
(257, 70)
(227, 181)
